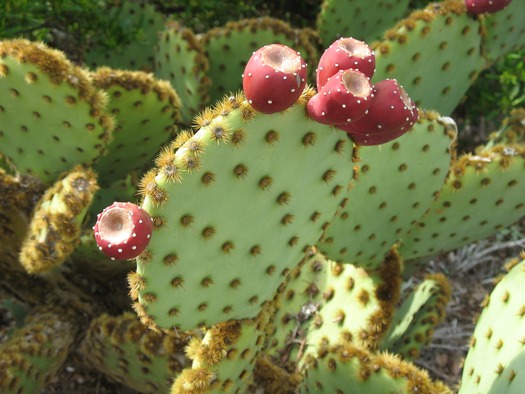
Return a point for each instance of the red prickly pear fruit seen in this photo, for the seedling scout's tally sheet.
(274, 78)
(375, 139)
(482, 6)
(391, 111)
(343, 54)
(123, 230)
(343, 99)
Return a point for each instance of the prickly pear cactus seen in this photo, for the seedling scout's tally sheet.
(52, 104)
(493, 362)
(127, 352)
(416, 163)
(229, 48)
(482, 194)
(181, 59)
(434, 53)
(279, 177)
(55, 227)
(362, 20)
(146, 112)
(414, 321)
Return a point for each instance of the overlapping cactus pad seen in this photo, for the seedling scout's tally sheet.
(483, 193)
(129, 353)
(435, 54)
(377, 213)
(494, 363)
(277, 178)
(53, 117)
(413, 323)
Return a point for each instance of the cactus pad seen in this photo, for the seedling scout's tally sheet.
(494, 362)
(127, 352)
(413, 323)
(483, 194)
(415, 166)
(145, 110)
(180, 58)
(56, 224)
(279, 178)
(52, 117)
(434, 53)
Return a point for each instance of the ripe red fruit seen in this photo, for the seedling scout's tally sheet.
(343, 54)
(344, 98)
(482, 6)
(123, 230)
(392, 113)
(274, 78)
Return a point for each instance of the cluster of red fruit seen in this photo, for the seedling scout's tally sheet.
(371, 114)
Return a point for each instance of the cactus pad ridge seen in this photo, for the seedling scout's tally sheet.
(137, 54)
(146, 111)
(53, 104)
(131, 354)
(55, 227)
(482, 194)
(437, 46)
(229, 47)
(494, 361)
(341, 367)
(181, 59)
(415, 165)
(277, 190)
(414, 321)
(340, 18)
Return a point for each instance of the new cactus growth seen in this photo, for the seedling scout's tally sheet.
(343, 54)
(343, 99)
(123, 230)
(274, 78)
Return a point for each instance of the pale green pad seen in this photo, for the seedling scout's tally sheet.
(413, 323)
(435, 61)
(494, 362)
(482, 195)
(145, 111)
(363, 20)
(230, 47)
(505, 30)
(138, 55)
(180, 58)
(124, 350)
(348, 366)
(248, 211)
(50, 115)
(394, 185)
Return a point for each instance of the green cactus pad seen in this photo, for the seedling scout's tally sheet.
(146, 111)
(494, 362)
(504, 31)
(434, 53)
(279, 178)
(129, 353)
(362, 20)
(393, 186)
(56, 223)
(34, 353)
(357, 306)
(224, 359)
(180, 58)
(349, 366)
(483, 194)
(413, 323)
(131, 16)
(51, 116)
(229, 48)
